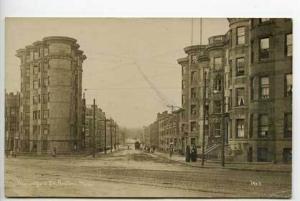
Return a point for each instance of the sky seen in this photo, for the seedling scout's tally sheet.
(131, 67)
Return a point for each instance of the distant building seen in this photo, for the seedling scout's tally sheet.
(154, 140)
(51, 96)
(12, 135)
(146, 136)
(168, 130)
(95, 136)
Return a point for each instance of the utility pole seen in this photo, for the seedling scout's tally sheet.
(110, 127)
(223, 121)
(204, 117)
(115, 124)
(105, 120)
(94, 125)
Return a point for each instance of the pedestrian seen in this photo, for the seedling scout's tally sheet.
(171, 150)
(54, 152)
(194, 153)
(187, 154)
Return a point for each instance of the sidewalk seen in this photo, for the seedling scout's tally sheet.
(258, 167)
(83, 154)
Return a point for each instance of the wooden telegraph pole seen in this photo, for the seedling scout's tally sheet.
(223, 120)
(94, 125)
(110, 130)
(204, 118)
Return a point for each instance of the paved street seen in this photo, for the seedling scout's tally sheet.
(131, 173)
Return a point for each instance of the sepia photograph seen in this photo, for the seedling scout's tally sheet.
(162, 107)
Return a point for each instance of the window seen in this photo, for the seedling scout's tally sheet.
(41, 51)
(217, 107)
(36, 54)
(240, 101)
(217, 63)
(193, 126)
(27, 55)
(217, 128)
(35, 99)
(193, 76)
(263, 128)
(288, 125)
(183, 99)
(240, 128)
(46, 51)
(193, 93)
(289, 44)
(45, 114)
(45, 98)
(264, 20)
(35, 84)
(35, 69)
(46, 81)
(183, 69)
(27, 72)
(262, 154)
(217, 84)
(240, 66)
(194, 59)
(193, 110)
(240, 35)
(264, 87)
(34, 115)
(288, 85)
(264, 48)
(251, 126)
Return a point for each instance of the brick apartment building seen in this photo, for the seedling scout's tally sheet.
(248, 93)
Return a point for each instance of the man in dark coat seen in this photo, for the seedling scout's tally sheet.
(187, 154)
(194, 153)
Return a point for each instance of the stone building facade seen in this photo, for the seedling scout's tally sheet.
(248, 99)
(194, 68)
(270, 101)
(12, 106)
(51, 95)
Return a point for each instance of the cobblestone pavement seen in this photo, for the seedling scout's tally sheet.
(131, 173)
